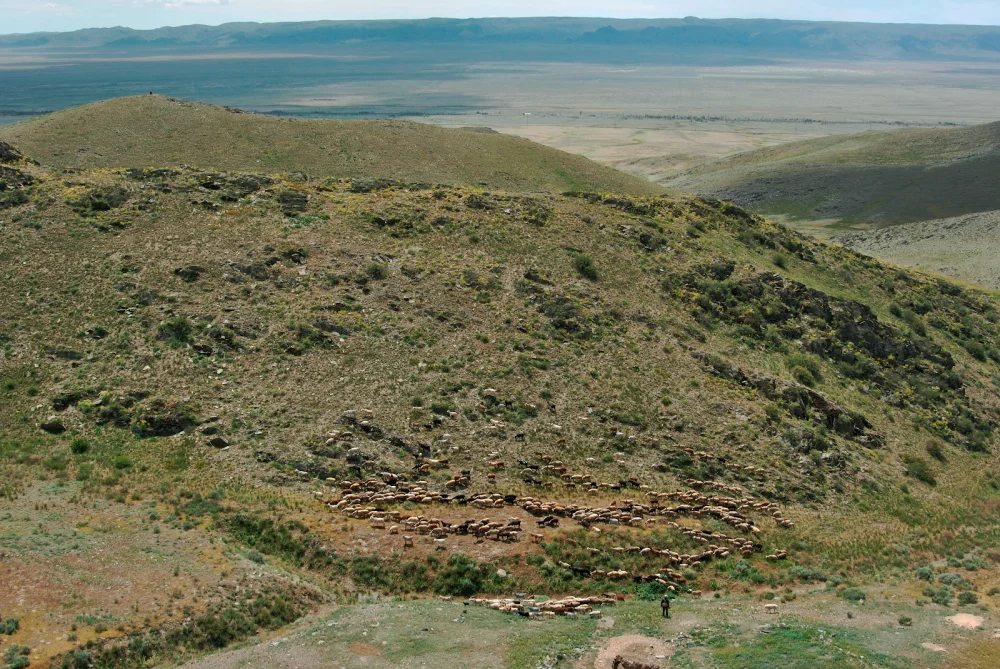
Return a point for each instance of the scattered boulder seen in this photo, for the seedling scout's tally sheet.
(63, 353)
(233, 188)
(12, 185)
(150, 174)
(292, 201)
(8, 154)
(11, 179)
(190, 274)
(53, 427)
(218, 442)
(100, 199)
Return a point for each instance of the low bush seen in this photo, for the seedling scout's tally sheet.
(16, 657)
(584, 265)
(935, 450)
(967, 598)
(853, 594)
(955, 580)
(941, 596)
(462, 576)
(919, 469)
(176, 331)
(804, 368)
(973, 563)
(377, 271)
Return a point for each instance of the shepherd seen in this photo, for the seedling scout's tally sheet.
(665, 606)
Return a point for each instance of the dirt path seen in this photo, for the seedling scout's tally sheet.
(633, 647)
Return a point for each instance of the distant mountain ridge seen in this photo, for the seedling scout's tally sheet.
(819, 39)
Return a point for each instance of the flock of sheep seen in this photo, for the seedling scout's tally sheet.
(369, 500)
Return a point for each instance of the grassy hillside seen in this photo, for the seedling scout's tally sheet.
(210, 382)
(159, 131)
(877, 178)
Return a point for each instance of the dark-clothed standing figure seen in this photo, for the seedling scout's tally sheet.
(665, 606)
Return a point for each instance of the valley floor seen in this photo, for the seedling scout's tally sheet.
(814, 630)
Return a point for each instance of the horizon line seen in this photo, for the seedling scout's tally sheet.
(498, 17)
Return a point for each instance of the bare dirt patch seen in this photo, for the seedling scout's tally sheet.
(635, 648)
(966, 620)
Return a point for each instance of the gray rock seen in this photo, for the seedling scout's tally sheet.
(53, 427)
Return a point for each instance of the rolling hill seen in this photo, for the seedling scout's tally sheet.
(232, 400)
(873, 179)
(159, 131)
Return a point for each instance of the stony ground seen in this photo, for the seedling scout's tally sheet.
(964, 247)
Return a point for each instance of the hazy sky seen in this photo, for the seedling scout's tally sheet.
(56, 15)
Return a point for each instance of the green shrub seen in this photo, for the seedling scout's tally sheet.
(853, 594)
(952, 579)
(10, 626)
(650, 592)
(905, 621)
(972, 563)
(935, 450)
(919, 469)
(924, 573)
(462, 576)
(805, 369)
(584, 265)
(806, 574)
(781, 261)
(79, 446)
(16, 657)
(967, 598)
(377, 271)
(915, 323)
(255, 556)
(941, 596)
(176, 331)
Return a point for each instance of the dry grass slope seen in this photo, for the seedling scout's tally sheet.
(966, 248)
(159, 131)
